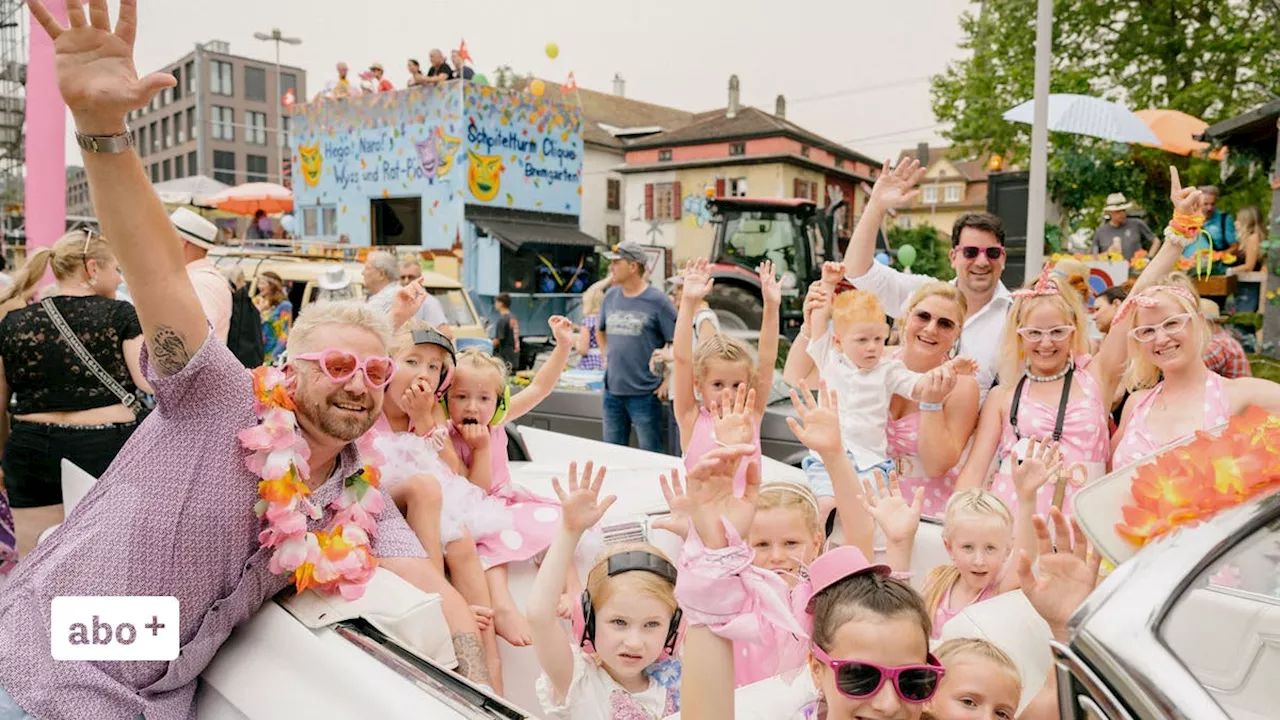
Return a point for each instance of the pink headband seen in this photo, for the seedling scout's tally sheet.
(1145, 299)
(1042, 288)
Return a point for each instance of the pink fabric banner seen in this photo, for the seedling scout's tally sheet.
(46, 182)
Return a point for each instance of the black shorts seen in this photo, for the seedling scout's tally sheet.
(32, 457)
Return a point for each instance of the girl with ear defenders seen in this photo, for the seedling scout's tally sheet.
(480, 404)
(631, 615)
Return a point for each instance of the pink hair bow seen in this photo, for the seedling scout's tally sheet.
(722, 590)
(1147, 299)
(1042, 288)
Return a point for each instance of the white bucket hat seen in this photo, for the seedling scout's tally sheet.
(194, 229)
(1117, 201)
(334, 278)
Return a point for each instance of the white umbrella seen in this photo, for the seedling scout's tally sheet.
(1086, 115)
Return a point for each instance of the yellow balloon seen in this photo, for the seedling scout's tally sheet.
(553, 50)
(537, 87)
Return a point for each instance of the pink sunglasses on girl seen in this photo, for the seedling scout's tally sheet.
(858, 679)
(340, 365)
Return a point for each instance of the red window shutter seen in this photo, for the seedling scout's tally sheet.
(797, 188)
(813, 191)
(676, 202)
(719, 187)
(648, 201)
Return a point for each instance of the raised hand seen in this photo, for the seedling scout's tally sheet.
(963, 365)
(710, 491)
(419, 401)
(475, 435)
(898, 518)
(1067, 572)
(407, 301)
(680, 505)
(1043, 463)
(937, 384)
(832, 274)
(734, 416)
(561, 330)
(697, 281)
(770, 287)
(1185, 200)
(581, 507)
(896, 188)
(95, 69)
(819, 424)
(816, 299)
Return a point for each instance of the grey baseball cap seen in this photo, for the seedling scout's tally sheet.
(627, 251)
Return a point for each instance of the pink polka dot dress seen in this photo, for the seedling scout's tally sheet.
(1138, 442)
(536, 519)
(904, 443)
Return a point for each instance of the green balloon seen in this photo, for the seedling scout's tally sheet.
(906, 255)
(479, 79)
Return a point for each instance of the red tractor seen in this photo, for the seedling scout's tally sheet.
(792, 232)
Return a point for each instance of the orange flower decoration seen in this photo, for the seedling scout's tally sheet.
(283, 489)
(269, 388)
(1188, 484)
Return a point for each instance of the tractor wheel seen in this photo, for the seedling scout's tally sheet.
(739, 310)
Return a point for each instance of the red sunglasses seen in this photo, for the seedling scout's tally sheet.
(858, 679)
(340, 366)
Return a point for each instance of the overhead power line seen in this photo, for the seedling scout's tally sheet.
(858, 90)
(907, 131)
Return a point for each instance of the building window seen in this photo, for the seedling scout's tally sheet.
(155, 173)
(612, 235)
(177, 89)
(737, 149)
(168, 170)
(192, 165)
(329, 224)
(664, 201)
(614, 201)
(839, 163)
(191, 77)
(255, 132)
(930, 195)
(191, 123)
(165, 138)
(737, 187)
(805, 189)
(664, 156)
(155, 139)
(255, 168)
(952, 193)
(224, 127)
(904, 221)
(320, 221)
(804, 151)
(142, 141)
(288, 83)
(224, 167)
(180, 128)
(178, 163)
(255, 84)
(220, 79)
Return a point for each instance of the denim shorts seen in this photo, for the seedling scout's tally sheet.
(34, 451)
(815, 471)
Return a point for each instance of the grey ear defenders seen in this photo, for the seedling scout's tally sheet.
(430, 336)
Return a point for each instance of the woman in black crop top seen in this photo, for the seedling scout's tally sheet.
(57, 407)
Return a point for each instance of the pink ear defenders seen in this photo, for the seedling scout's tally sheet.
(430, 336)
(629, 562)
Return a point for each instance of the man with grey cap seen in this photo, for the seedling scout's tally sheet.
(635, 320)
(199, 236)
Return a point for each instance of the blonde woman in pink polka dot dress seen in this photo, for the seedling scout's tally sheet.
(927, 439)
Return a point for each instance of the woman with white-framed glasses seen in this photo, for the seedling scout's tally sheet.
(70, 365)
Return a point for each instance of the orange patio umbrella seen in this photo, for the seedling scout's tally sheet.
(249, 198)
(1177, 132)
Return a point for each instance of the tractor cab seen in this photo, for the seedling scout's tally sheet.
(793, 233)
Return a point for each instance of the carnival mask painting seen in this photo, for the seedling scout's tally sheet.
(427, 157)
(485, 176)
(446, 149)
(312, 163)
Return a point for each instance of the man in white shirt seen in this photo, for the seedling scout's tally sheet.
(199, 236)
(431, 312)
(977, 254)
(381, 278)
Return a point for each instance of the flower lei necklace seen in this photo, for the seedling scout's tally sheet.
(336, 560)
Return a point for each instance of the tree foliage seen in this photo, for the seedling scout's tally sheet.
(1213, 59)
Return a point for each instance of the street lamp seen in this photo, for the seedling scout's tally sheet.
(278, 37)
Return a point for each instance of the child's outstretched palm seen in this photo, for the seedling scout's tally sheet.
(680, 504)
(819, 424)
(711, 492)
(1067, 571)
(581, 507)
(770, 287)
(1042, 464)
(697, 280)
(898, 518)
(832, 273)
(734, 422)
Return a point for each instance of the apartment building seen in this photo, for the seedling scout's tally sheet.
(79, 203)
(220, 120)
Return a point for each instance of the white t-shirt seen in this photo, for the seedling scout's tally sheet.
(863, 396)
(594, 695)
(980, 338)
(704, 315)
(431, 311)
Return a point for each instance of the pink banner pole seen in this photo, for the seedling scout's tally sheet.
(46, 183)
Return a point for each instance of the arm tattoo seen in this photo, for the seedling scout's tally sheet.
(168, 351)
(471, 661)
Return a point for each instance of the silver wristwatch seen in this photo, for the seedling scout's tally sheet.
(105, 144)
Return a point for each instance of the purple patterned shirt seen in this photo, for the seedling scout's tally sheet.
(173, 515)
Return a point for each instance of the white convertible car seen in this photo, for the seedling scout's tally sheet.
(1160, 638)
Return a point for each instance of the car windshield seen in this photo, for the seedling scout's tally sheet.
(1235, 656)
(755, 236)
(354, 291)
(456, 307)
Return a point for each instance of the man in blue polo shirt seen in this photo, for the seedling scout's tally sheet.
(635, 320)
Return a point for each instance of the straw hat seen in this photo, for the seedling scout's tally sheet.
(1117, 201)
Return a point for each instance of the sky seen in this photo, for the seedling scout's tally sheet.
(854, 71)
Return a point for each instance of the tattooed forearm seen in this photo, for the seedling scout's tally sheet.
(168, 351)
(471, 663)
